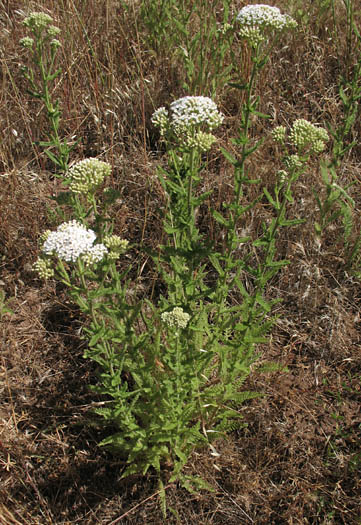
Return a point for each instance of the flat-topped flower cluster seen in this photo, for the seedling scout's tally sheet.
(304, 136)
(38, 22)
(189, 121)
(71, 240)
(86, 175)
(258, 19)
(177, 318)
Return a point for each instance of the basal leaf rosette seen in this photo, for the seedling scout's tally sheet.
(260, 21)
(189, 121)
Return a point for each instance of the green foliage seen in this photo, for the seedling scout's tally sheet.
(198, 33)
(3, 308)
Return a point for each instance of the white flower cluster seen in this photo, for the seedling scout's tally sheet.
(256, 19)
(95, 254)
(189, 121)
(265, 16)
(85, 176)
(177, 318)
(195, 111)
(72, 240)
(305, 135)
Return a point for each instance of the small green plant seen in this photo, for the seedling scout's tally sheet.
(3, 308)
(42, 48)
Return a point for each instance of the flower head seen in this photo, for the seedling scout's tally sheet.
(116, 246)
(54, 43)
(53, 31)
(279, 134)
(37, 21)
(69, 241)
(256, 19)
(95, 254)
(195, 111)
(177, 318)
(44, 268)
(27, 42)
(85, 176)
(200, 140)
(306, 135)
(160, 119)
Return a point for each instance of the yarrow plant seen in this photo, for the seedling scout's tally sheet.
(172, 369)
(42, 47)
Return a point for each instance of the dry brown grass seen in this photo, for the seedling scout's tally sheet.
(296, 462)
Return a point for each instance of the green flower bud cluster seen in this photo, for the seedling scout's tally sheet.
(27, 42)
(225, 28)
(160, 119)
(293, 162)
(116, 246)
(201, 141)
(53, 31)
(282, 176)
(44, 269)
(177, 318)
(279, 134)
(305, 135)
(85, 176)
(54, 43)
(37, 21)
(253, 35)
(44, 236)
